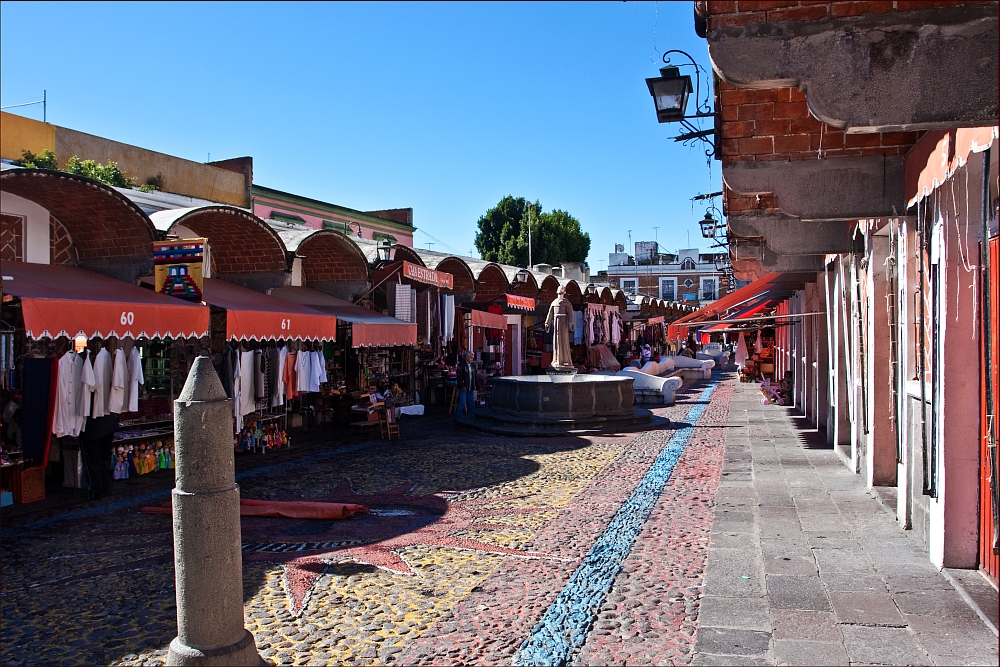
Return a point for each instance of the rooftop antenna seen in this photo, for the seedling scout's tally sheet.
(429, 244)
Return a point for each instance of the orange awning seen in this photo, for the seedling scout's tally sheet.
(251, 315)
(58, 300)
(368, 328)
(481, 318)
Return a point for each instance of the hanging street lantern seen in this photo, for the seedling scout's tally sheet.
(670, 94)
(708, 225)
(384, 250)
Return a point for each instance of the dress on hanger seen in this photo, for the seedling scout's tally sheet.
(289, 375)
(278, 397)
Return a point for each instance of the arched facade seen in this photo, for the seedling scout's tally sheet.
(465, 282)
(330, 262)
(547, 290)
(606, 297)
(490, 280)
(243, 248)
(81, 221)
(573, 292)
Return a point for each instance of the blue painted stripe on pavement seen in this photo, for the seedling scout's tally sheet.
(155, 495)
(566, 623)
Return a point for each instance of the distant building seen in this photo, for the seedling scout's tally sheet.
(688, 275)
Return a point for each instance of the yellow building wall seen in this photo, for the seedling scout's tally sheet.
(180, 176)
(18, 133)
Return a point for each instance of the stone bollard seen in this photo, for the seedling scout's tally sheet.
(207, 540)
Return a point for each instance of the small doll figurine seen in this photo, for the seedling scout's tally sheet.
(130, 460)
(115, 454)
(170, 457)
(284, 439)
(121, 468)
(150, 459)
(161, 458)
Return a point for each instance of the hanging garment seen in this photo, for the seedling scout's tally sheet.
(119, 380)
(404, 311)
(303, 370)
(616, 328)
(317, 370)
(40, 381)
(87, 386)
(67, 421)
(741, 352)
(135, 378)
(260, 387)
(227, 371)
(578, 327)
(237, 391)
(248, 374)
(758, 345)
(270, 374)
(102, 384)
(289, 376)
(278, 397)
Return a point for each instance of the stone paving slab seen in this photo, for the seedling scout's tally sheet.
(842, 583)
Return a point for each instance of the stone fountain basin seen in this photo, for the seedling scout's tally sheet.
(551, 397)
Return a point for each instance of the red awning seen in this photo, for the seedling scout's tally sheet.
(770, 284)
(481, 318)
(58, 300)
(251, 315)
(368, 328)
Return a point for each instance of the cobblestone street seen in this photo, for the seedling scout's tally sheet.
(723, 539)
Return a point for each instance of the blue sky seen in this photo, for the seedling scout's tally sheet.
(443, 107)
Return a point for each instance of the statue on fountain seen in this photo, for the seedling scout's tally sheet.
(560, 323)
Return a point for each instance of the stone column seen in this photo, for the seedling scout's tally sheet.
(207, 541)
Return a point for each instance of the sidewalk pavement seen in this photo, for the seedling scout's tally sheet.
(805, 567)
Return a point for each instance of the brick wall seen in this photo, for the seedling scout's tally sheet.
(775, 124)
(726, 13)
(332, 257)
(12, 238)
(239, 243)
(464, 281)
(101, 223)
(61, 248)
(491, 281)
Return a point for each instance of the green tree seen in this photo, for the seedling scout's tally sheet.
(44, 160)
(109, 174)
(556, 236)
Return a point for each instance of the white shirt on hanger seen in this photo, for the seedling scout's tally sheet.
(303, 371)
(119, 380)
(247, 374)
(87, 386)
(65, 421)
(135, 378)
(102, 383)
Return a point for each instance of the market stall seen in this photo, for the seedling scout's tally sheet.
(371, 349)
(269, 352)
(83, 347)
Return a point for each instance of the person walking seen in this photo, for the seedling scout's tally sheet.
(468, 383)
